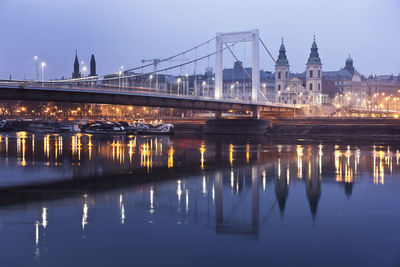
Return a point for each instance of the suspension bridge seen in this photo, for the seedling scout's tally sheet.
(157, 84)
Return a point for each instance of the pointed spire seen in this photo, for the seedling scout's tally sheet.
(76, 73)
(93, 66)
(282, 58)
(314, 56)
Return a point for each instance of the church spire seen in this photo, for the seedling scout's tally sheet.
(76, 73)
(314, 56)
(93, 66)
(282, 58)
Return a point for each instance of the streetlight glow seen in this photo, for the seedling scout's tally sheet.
(43, 64)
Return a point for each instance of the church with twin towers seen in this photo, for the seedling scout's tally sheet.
(280, 86)
(299, 88)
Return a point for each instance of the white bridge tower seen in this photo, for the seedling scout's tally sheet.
(236, 37)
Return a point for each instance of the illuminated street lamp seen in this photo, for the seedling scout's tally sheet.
(43, 64)
(37, 67)
(84, 69)
(150, 78)
(122, 73)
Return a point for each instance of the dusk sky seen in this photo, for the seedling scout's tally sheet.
(123, 32)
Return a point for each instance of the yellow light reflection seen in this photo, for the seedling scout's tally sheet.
(202, 151)
(171, 157)
(76, 146)
(90, 146)
(247, 153)
(23, 161)
(231, 154)
(146, 156)
(338, 164)
(46, 146)
(131, 145)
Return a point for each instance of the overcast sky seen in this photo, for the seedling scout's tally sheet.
(122, 32)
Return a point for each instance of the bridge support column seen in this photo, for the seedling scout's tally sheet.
(256, 113)
(218, 68)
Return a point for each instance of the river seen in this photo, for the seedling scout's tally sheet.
(89, 200)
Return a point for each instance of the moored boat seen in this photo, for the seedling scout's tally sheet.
(162, 128)
(104, 128)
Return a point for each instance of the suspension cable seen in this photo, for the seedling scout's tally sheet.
(265, 47)
(245, 70)
(168, 68)
(83, 79)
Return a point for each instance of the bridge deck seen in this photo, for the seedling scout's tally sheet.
(104, 95)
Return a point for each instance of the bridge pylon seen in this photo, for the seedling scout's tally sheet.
(237, 37)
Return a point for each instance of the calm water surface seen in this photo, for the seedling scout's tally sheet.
(82, 200)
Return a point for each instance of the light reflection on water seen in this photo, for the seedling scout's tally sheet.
(244, 188)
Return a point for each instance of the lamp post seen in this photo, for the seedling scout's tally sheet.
(84, 69)
(179, 81)
(119, 80)
(37, 67)
(43, 64)
(122, 73)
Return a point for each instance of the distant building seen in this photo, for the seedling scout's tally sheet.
(237, 83)
(76, 74)
(92, 66)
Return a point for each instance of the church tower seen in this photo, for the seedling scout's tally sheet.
(76, 74)
(281, 72)
(314, 76)
(349, 65)
(93, 66)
